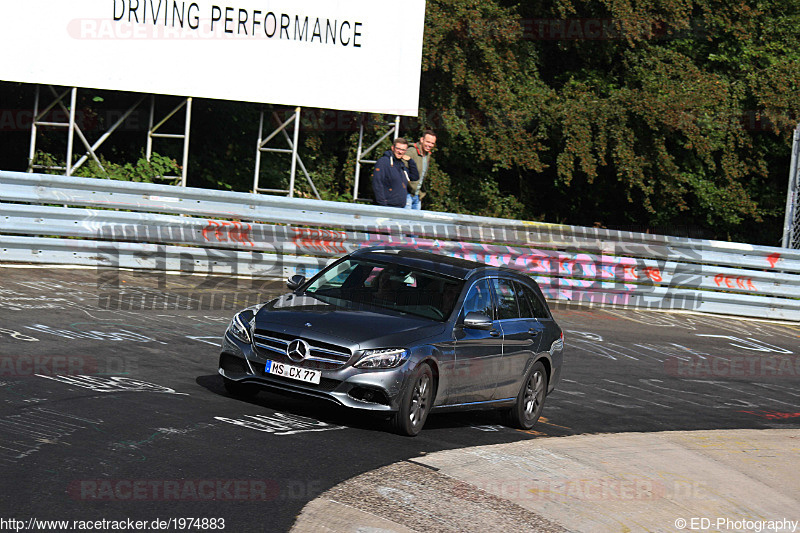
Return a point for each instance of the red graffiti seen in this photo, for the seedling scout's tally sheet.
(733, 282)
(773, 259)
(228, 232)
(320, 240)
(653, 273)
(630, 271)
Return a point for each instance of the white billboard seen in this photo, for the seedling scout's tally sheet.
(357, 55)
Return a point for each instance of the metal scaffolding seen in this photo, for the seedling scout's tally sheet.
(261, 147)
(73, 129)
(154, 133)
(394, 129)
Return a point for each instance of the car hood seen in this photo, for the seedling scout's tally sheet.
(360, 327)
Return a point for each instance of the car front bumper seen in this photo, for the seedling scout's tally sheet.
(371, 390)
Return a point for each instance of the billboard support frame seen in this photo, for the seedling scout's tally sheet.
(37, 122)
(394, 129)
(261, 147)
(107, 134)
(73, 102)
(72, 129)
(152, 133)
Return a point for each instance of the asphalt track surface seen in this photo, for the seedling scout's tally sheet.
(111, 407)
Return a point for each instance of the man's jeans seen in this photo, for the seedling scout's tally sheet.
(413, 201)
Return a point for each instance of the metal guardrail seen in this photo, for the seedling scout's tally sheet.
(104, 223)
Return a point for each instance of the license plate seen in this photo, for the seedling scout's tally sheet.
(293, 372)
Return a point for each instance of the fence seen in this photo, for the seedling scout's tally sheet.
(104, 223)
(791, 225)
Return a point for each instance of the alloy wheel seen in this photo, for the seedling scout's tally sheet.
(533, 394)
(419, 399)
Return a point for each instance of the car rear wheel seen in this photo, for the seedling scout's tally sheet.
(530, 400)
(415, 403)
(240, 390)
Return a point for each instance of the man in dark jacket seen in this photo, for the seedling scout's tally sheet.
(391, 175)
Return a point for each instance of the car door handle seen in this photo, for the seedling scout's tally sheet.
(494, 333)
(533, 332)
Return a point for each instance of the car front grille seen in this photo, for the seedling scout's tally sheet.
(323, 355)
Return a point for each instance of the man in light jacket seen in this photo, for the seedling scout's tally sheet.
(420, 154)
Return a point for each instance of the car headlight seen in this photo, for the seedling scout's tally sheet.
(383, 358)
(242, 322)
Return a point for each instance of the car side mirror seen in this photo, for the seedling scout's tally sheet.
(295, 281)
(476, 320)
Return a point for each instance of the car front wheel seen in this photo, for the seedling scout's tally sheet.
(415, 402)
(530, 400)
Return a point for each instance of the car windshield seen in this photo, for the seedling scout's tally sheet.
(355, 282)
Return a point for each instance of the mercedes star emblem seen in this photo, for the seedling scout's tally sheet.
(297, 350)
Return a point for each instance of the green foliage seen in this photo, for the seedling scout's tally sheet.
(159, 169)
(655, 122)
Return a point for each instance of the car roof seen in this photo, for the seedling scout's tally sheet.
(442, 264)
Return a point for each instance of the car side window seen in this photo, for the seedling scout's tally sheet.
(532, 302)
(479, 299)
(525, 306)
(506, 300)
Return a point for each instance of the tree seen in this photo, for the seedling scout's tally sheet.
(481, 91)
(607, 111)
